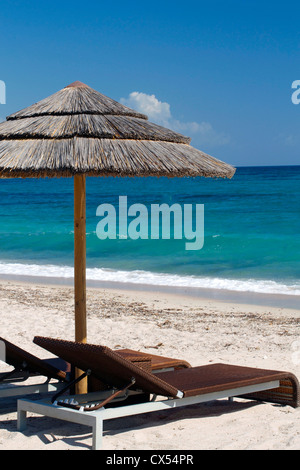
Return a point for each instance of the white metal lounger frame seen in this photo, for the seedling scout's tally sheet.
(95, 418)
(10, 390)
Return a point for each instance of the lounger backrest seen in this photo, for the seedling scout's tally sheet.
(23, 360)
(106, 365)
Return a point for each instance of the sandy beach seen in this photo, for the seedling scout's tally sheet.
(196, 329)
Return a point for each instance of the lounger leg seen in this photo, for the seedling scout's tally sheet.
(22, 421)
(97, 433)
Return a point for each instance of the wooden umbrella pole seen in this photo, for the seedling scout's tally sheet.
(80, 268)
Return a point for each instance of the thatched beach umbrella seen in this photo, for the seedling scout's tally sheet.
(79, 132)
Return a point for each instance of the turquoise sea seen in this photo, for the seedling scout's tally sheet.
(251, 231)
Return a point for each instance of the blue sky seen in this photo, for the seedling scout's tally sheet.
(220, 72)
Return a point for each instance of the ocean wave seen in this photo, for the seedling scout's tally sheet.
(151, 278)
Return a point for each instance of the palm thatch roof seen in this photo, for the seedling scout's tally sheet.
(81, 131)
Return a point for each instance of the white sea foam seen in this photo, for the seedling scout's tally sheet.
(155, 279)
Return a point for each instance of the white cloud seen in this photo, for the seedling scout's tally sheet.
(160, 113)
(204, 132)
(148, 104)
(292, 140)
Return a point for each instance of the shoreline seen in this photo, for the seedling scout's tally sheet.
(221, 295)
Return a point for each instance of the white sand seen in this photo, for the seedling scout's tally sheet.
(197, 330)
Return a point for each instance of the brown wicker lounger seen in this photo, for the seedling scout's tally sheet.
(26, 365)
(185, 386)
(151, 362)
(157, 362)
(116, 371)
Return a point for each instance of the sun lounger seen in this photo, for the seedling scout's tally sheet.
(151, 362)
(158, 363)
(181, 387)
(25, 366)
